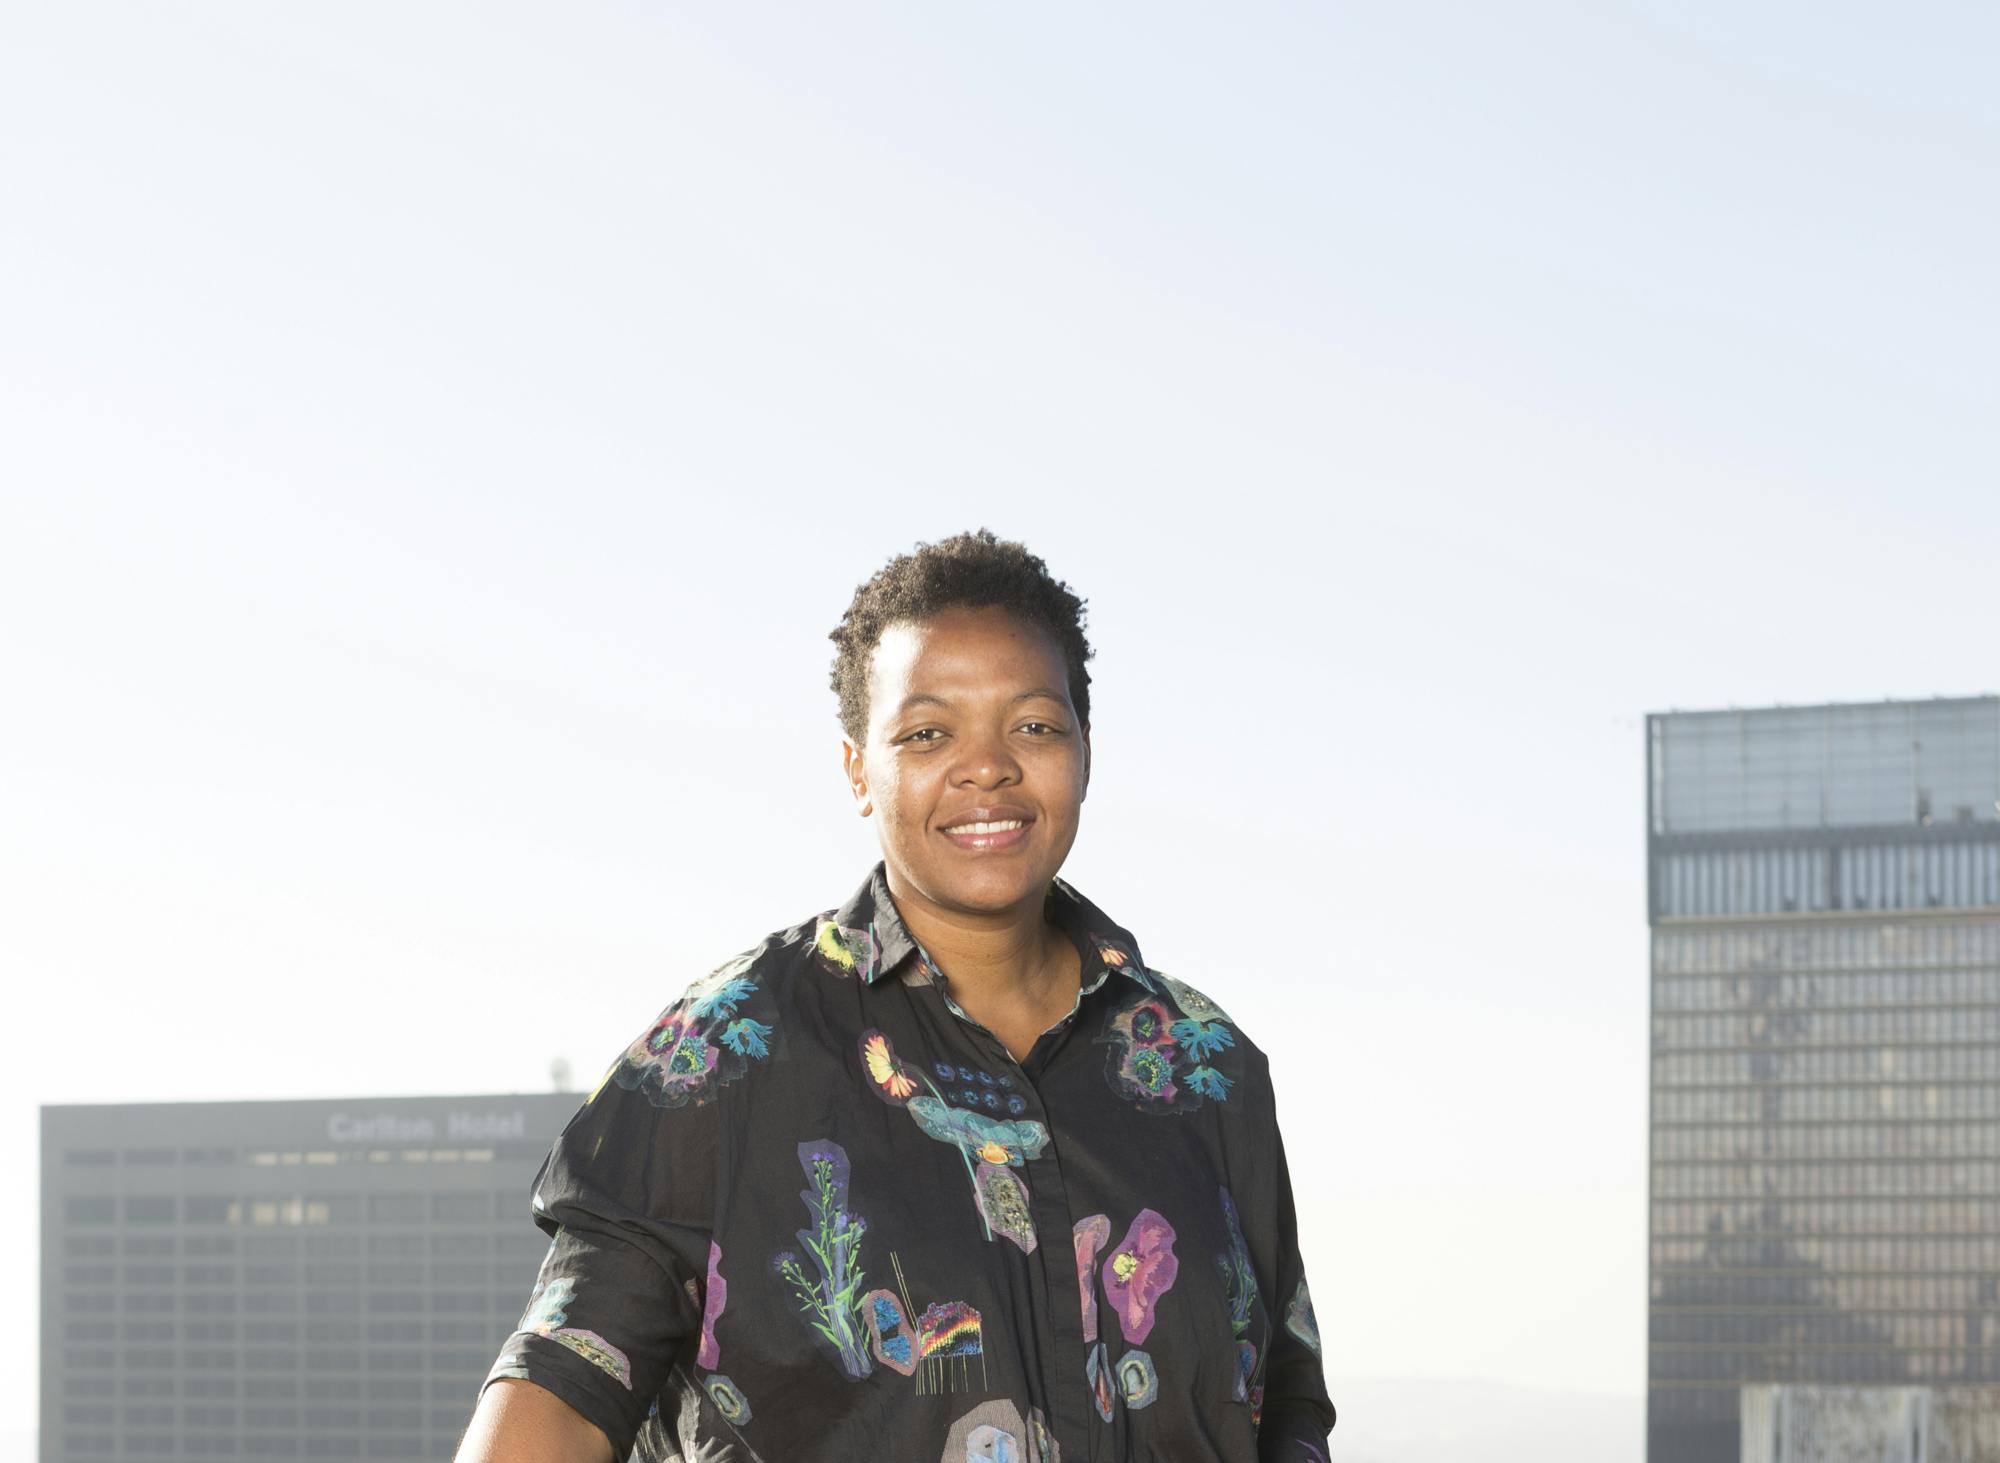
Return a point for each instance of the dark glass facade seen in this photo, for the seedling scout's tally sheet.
(282, 1280)
(1825, 1159)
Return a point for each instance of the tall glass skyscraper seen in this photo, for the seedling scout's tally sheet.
(1825, 1170)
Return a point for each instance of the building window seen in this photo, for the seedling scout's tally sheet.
(149, 1209)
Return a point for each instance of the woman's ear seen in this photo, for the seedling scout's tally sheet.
(856, 772)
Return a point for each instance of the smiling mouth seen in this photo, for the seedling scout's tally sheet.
(973, 829)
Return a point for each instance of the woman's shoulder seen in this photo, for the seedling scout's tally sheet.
(775, 962)
(725, 1022)
(1177, 1048)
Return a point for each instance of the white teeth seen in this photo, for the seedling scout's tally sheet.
(987, 827)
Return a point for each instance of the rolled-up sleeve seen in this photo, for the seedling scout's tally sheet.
(626, 1196)
(1297, 1413)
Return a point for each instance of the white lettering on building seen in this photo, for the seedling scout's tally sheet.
(486, 1127)
(459, 1127)
(379, 1128)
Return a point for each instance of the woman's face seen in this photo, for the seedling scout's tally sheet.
(970, 725)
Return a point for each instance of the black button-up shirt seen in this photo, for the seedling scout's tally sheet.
(817, 1212)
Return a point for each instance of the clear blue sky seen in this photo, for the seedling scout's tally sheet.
(436, 441)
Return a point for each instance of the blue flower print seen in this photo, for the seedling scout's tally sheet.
(1202, 1039)
(747, 1037)
(980, 1138)
(1209, 1083)
(699, 1043)
(1165, 1039)
(723, 1000)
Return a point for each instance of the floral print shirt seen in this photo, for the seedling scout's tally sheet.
(814, 1212)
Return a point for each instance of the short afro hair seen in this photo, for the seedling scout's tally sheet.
(968, 570)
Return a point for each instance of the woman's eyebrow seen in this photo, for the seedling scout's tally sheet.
(927, 698)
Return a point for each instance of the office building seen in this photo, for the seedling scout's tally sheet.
(1825, 1160)
(282, 1280)
(1794, 1423)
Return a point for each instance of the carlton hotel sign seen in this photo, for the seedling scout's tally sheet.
(457, 1127)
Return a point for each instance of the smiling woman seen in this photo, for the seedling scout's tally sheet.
(1052, 1085)
(974, 760)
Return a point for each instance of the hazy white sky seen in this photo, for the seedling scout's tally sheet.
(437, 439)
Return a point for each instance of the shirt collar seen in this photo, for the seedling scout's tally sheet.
(871, 908)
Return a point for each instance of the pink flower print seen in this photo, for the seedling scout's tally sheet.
(709, 1357)
(675, 1051)
(1139, 1272)
(1147, 1024)
(688, 1064)
(659, 1042)
(1090, 1236)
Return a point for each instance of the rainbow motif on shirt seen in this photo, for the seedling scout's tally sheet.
(950, 1328)
(865, 1328)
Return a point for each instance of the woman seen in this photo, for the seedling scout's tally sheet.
(818, 1210)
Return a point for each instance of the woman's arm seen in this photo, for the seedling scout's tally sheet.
(625, 1195)
(1297, 1412)
(518, 1422)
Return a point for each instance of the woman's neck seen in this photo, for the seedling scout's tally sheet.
(1011, 971)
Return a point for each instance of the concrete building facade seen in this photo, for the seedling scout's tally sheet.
(282, 1280)
(1825, 1072)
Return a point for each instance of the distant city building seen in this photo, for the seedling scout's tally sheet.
(1804, 1424)
(1825, 1180)
(244, 1282)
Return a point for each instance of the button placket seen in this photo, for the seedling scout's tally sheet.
(1066, 1390)
(1062, 1384)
